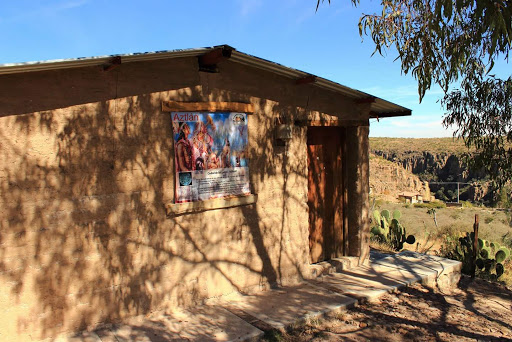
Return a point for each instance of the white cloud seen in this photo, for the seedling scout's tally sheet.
(304, 16)
(412, 123)
(69, 4)
(249, 6)
(409, 127)
(49, 9)
(400, 93)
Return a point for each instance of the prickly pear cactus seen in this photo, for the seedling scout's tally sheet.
(399, 235)
(388, 229)
(500, 256)
(485, 252)
(506, 251)
(385, 213)
(463, 251)
(380, 229)
(376, 216)
(500, 269)
(495, 245)
(491, 258)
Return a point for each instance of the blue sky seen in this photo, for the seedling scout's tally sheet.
(325, 43)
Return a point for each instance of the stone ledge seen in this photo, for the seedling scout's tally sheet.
(217, 203)
(319, 269)
(345, 263)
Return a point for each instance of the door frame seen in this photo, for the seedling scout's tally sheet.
(339, 245)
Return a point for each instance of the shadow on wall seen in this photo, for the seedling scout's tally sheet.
(84, 236)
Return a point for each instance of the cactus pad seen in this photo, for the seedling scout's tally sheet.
(376, 215)
(506, 250)
(484, 253)
(500, 256)
(499, 270)
(481, 243)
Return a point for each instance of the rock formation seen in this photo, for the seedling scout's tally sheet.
(442, 167)
(388, 179)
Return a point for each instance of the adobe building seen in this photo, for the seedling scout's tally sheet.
(410, 197)
(151, 181)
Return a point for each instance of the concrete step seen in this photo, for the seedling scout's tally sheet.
(288, 305)
(344, 263)
(433, 270)
(202, 323)
(239, 317)
(320, 269)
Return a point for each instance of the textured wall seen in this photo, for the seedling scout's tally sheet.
(358, 170)
(86, 166)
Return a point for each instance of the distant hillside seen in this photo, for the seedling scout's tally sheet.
(436, 160)
(419, 145)
(433, 159)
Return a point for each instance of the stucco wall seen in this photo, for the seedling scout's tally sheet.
(86, 166)
(358, 188)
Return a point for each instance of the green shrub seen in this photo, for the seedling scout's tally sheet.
(467, 204)
(431, 205)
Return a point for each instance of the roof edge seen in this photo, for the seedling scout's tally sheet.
(57, 64)
(379, 108)
(376, 115)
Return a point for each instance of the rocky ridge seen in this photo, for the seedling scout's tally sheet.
(436, 166)
(388, 179)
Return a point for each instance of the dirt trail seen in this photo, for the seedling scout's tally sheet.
(475, 311)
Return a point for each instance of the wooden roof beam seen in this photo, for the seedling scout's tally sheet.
(306, 80)
(370, 99)
(114, 62)
(208, 62)
(376, 115)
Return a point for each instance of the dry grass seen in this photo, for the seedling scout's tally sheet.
(408, 145)
(494, 226)
(382, 247)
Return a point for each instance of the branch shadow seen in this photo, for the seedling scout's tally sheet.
(85, 238)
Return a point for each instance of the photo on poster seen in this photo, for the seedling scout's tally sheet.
(185, 178)
(211, 155)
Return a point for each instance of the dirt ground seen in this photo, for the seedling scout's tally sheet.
(475, 311)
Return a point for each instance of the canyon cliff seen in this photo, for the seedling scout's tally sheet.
(388, 180)
(435, 161)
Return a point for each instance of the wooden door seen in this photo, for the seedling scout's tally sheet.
(325, 192)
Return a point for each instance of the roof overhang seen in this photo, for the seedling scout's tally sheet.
(379, 108)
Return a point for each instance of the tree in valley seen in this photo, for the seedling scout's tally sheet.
(455, 45)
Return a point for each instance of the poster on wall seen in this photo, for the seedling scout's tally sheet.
(211, 154)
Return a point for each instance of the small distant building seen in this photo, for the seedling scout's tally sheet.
(410, 197)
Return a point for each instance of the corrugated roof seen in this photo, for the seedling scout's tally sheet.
(379, 107)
